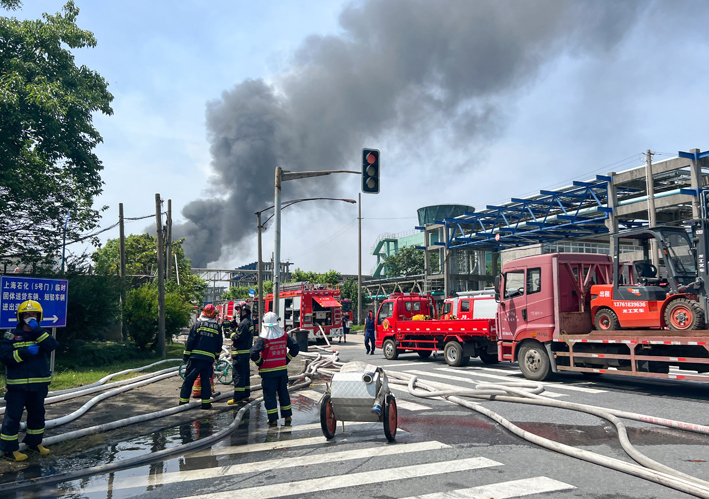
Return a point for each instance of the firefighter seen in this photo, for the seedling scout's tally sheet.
(271, 352)
(203, 346)
(369, 332)
(24, 352)
(241, 342)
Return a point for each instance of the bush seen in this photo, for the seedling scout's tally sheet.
(141, 315)
(93, 305)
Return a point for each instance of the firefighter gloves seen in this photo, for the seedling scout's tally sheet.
(33, 349)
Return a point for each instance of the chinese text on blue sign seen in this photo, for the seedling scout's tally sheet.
(50, 293)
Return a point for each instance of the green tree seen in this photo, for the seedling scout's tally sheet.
(142, 261)
(330, 277)
(236, 293)
(48, 169)
(349, 291)
(141, 315)
(408, 261)
(405, 262)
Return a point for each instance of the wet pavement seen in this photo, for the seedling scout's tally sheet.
(440, 447)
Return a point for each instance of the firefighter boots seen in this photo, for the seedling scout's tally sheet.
(43, 451)
(16, 456)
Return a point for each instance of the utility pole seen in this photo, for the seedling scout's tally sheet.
(259, 269)
(277, 241)
(652, 215)
(359, 263)
(122, 268)
(161, 279)
(168, 257)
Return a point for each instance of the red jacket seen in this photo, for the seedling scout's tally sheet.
(272, 356)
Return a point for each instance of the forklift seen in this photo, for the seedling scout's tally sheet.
(641, 298)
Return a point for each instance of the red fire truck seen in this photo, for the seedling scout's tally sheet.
(347, 311)
(306, 306)
(407, 322)
(225, 311)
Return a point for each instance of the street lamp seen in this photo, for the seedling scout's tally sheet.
(261, 226)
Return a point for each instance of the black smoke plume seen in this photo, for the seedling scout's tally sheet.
(403, 67)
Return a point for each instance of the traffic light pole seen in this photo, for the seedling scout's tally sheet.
(282, 176)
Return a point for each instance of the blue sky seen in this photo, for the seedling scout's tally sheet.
(577, 110)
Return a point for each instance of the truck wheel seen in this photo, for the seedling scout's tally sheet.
(534, 361)
(488, 358)
(328, 422)
(390, 350)
(684, 315)
(424, 354)
(390, 417)
(453, 353)
(606, 320)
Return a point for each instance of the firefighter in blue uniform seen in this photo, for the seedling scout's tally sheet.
(202, 348)
(271, 352)
(24, 352)
(241, 341)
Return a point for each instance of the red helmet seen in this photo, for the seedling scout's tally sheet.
(209, 311)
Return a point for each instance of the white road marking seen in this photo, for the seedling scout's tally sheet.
(311, 394)
(271, 464)
(506, 378)
(401, 364)
(287, 444)
(411, 406)
(468, 380)
(355, 479)
(503, 490)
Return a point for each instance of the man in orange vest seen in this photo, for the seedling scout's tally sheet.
(272, 352)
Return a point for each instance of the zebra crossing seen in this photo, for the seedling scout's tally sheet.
(325, 486)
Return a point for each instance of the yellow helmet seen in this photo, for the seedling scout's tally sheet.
(29, 306)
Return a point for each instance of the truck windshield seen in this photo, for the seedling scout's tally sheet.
(384, 312)
(680, 252)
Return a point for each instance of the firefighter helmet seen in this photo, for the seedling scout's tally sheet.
(29, 306)
(209, 311)
(246, 308)
(269, 328)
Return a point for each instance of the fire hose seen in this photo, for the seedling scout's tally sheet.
(526, 392)
(147, 458)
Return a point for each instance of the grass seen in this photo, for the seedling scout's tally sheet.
(68, 375)
(357, 328)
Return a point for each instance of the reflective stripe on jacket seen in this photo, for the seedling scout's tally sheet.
(204, 341)
(23, 370)
(272, 356)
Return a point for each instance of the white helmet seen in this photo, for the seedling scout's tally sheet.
(270, 328)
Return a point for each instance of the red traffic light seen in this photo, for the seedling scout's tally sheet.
(371, 158)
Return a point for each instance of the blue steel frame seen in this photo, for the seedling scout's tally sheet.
(551, 216)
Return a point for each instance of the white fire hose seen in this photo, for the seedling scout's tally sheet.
(526, 392)
(146, 458)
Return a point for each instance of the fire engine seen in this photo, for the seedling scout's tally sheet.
(407, 322)
(347, 311)
(225, 311)
(309, 306)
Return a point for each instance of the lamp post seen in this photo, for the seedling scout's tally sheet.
(66, 222)
(261, 226)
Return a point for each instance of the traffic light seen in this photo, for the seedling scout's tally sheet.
(370, 171)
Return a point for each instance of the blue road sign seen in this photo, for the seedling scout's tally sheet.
(252, 293)
(50, 293)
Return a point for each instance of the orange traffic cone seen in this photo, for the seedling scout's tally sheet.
(197, 388)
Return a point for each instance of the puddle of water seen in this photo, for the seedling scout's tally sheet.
(253, 429)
